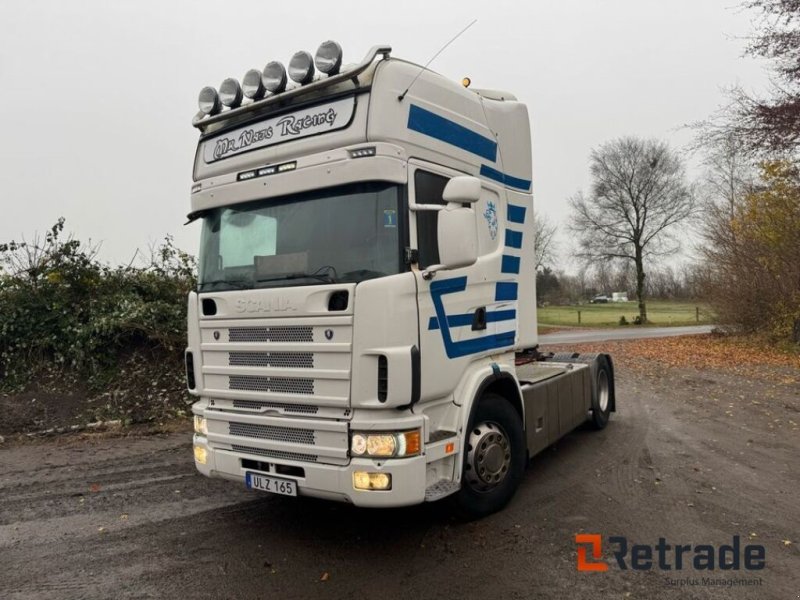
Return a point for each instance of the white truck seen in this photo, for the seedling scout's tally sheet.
(364, 327)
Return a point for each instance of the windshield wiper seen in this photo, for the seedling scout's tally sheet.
(326, 277)
(321, 274)
(239, 284)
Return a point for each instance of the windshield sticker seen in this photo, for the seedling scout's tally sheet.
(390, 218)
(490, 214)
(303, 123)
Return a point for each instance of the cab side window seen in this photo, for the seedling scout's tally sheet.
(429, 189)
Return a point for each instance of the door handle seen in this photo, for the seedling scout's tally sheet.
(479, 319)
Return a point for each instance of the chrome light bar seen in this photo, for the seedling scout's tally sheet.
(203, 119)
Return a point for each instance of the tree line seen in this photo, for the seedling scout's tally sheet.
(746, 208)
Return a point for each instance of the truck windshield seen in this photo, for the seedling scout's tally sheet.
(334, 235)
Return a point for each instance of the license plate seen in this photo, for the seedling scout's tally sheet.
(274, 485)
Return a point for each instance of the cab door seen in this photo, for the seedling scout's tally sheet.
(464, 313)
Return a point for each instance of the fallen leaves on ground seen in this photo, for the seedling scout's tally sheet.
(737, 354)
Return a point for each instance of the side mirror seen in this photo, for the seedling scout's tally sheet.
(462, 189)
(457, 226)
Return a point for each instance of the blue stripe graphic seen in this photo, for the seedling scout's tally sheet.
(510, 264)
(481, 344)
(464, 320)
(516, 214)
(505, 290)
(513, 239)
(510, 181)
(450, 132)
(456, 349)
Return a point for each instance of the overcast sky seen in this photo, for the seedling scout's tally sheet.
(98, 95)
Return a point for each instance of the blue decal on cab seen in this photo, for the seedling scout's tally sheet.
(455, 349)
(450, 132)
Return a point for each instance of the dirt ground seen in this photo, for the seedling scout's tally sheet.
(694, 455)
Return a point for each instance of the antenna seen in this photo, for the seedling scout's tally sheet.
(442, 49)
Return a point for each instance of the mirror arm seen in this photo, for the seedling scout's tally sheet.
(431, 271)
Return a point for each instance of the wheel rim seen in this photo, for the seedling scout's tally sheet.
(488, 457)
(602, 390)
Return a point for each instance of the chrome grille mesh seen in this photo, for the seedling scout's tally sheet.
(280, 385)
(258, 404)
(270, 334)
(276, 453)
(289, 360)
(292, 435)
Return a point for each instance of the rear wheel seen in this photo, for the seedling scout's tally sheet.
(494, 458)
(601, 393)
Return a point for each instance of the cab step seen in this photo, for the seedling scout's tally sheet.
(441, 489)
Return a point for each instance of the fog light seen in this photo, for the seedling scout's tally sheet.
(274, 77)
(200, 425)
(200, 454)
(329, 57)
(301, 67)
(208, 101)
(252, 86)
(363, 480)
(230, 93)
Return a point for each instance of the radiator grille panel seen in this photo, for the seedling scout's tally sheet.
(280, 385)
(288, 360)
(270, 334)
(276, 453)
(293, 435)
(258, 404)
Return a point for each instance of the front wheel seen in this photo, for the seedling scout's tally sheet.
(494, 458)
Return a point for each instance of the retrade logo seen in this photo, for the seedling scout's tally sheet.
(665, 556)
(595, 541)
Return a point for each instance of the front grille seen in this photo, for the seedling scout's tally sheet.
(293, 435)
(270, 334)
(276, 453)
(289, 360)
(258, 404)
(280, 385)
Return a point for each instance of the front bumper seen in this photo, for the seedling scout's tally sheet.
(331, 482)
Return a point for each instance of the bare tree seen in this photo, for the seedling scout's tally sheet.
(544, 246)
(767, 126)
(729, 172)
(639, 194)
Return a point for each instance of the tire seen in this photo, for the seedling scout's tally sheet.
(602, 392)
(489, 478)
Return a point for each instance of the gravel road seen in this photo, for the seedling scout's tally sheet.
(695, 457)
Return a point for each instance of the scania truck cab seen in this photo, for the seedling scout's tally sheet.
(364, 326)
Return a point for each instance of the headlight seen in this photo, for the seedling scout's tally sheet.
(200, 454)
(358, 444)
(200, 425)
(381, 445)
(386, 444)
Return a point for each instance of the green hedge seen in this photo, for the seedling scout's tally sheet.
(62, 310)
